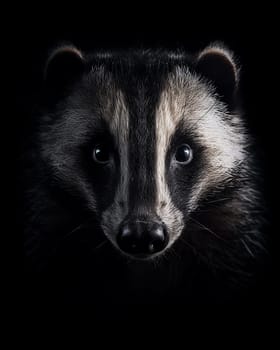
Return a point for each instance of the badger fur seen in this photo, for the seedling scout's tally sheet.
(141, 141)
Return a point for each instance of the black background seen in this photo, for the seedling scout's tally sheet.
(250, 34)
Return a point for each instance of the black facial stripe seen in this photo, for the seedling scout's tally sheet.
(141, 157)
(142, 96)
(184, 177)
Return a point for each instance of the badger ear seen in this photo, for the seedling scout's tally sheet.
(217, 63)
(64, 65)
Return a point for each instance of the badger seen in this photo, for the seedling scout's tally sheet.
(141, 161)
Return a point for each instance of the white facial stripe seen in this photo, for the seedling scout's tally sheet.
(225, 149)
(187, 99)
(168, 114)
(118, 122)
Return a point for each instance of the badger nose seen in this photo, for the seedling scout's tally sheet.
(142, 238)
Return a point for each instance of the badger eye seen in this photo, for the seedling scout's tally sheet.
(101, 154)
(184, 154)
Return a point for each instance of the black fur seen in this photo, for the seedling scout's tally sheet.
(67, 256)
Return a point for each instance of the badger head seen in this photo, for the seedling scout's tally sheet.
(144, 139)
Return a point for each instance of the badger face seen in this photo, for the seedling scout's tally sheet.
(142, 141)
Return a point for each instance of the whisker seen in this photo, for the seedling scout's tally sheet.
(77, 228)
(100, 245)
(73, 231)
(247, 248)
(256, 243)
(189, 245)
(207, 229)
(172, 251)
(210, 210)
(218, 200)
(162, 256)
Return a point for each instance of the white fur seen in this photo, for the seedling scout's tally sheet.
(190, 100)
(185, 98)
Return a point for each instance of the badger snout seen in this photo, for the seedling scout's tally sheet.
(142, 238)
